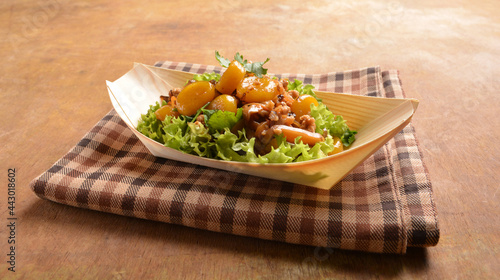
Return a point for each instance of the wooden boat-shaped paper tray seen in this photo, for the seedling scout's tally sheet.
(376, 119)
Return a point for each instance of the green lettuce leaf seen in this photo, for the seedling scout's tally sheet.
(302, 152)
(218, 120)
(247, 146)
(297, 149)
(206, 77)
(236, 147)
(149, 125)
(188, 137)
(227, 146)
(278, 155)
(348, 137)
(199, 140)
(307, 89)
(335, 125)
(174, 132)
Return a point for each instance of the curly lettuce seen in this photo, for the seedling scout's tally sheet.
(206, 77)
(335, 125)
(238, 148)
(150, 126)
(212, 142)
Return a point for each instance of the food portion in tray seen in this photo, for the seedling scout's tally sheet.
(246, 115)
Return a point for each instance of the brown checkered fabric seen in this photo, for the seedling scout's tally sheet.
(384, 205)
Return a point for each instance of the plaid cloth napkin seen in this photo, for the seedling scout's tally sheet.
(384, 205)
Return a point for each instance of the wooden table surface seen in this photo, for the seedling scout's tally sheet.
(57, 55)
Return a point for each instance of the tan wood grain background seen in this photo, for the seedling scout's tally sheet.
(56, 55)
